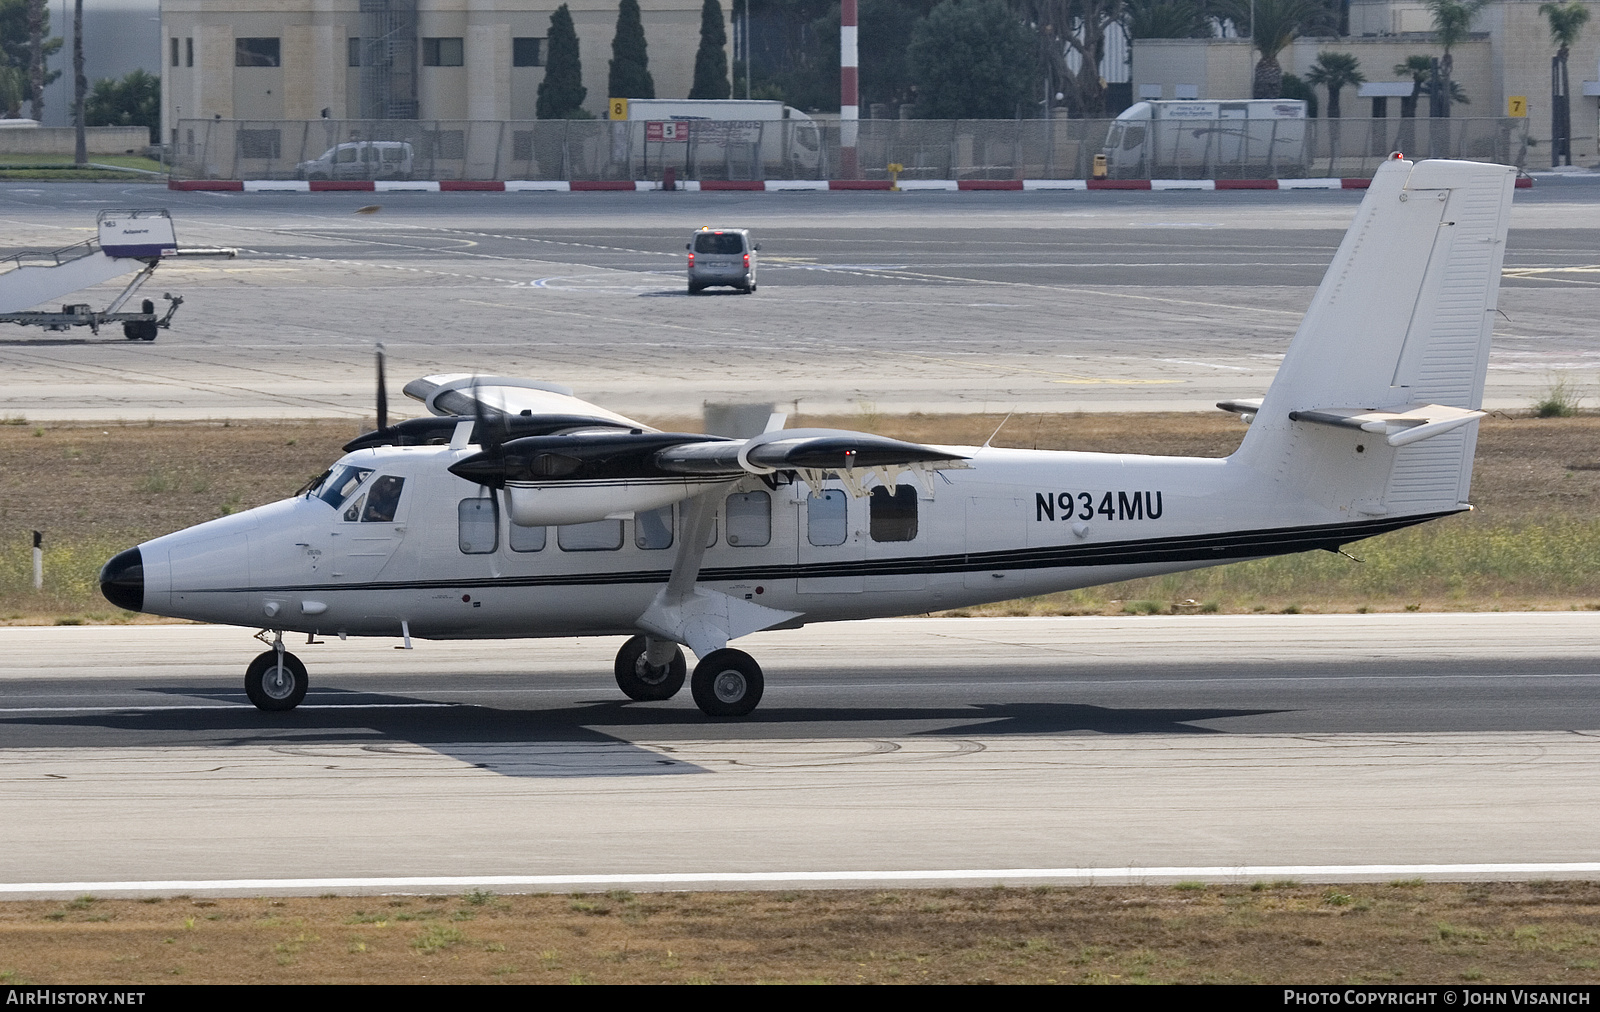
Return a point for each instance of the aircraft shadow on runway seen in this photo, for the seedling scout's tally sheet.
(564, 741)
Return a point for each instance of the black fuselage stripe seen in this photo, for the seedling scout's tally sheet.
(1156, 551)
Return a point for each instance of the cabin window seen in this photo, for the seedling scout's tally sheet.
(827, 517)
(341, 484)
(479, 526)
(382, 500)
(894, 513)
(598, 536)
(652, 529)
(749, 517)
(527, 539)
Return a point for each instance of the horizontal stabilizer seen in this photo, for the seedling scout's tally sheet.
(1398, 427)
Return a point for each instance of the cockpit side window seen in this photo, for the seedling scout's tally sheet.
(382, 500)
(341, 484)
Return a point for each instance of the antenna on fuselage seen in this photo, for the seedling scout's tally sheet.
(997, 428)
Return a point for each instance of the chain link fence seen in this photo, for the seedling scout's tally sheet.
(811, 149)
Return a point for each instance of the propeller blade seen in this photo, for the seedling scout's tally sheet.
(383, 394)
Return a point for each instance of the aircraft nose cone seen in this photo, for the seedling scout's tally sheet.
(122, 580)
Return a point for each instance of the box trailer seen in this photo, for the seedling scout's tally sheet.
(1253, 139)
(723, 138)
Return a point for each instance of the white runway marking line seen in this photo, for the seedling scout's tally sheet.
(826, 879)
(223, 706)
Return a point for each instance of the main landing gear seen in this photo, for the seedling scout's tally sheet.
(726, 683)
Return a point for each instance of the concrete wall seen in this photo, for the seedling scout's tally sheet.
(63, 140)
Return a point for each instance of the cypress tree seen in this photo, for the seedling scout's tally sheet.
(561, 93)
(630, 60)
(711, 62)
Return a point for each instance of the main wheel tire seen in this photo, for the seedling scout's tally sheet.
(132, 331)
(727, 683)
(640, 680)
(150, 331)
(272, 688)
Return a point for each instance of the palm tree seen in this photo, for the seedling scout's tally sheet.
(1566, 22)
(1166, 19)
(1335, 71)
(1419, 67)
(1274, 23)
(1452, 23)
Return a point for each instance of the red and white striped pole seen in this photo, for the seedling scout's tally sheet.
(849, 92)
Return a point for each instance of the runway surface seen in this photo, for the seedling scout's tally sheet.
(915, 750)
(868, 302)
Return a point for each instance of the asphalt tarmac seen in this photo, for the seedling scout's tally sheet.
(1037, 301)
(915, 750)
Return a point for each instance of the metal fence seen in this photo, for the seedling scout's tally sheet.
(792, 149)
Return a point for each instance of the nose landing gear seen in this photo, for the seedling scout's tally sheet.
(275, 680)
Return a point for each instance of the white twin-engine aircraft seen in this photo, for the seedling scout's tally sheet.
(518, 510)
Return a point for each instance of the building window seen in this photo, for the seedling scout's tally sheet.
(442, 53)
(527, 52)
(256, 53)
(353, 48)
(479, 526)
(174, 51)
(188, 52)
(749, 519)
(894, 513)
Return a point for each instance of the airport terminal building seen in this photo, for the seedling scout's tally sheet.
(395, 59)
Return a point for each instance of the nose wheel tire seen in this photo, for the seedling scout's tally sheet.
(640, 680)
(271, 687)
(727, 683)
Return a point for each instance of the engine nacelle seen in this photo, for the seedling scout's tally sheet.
(542, 504)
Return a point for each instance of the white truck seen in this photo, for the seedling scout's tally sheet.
(1250, 139)
(728, 138)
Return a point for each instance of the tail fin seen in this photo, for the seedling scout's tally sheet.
(1375, 406)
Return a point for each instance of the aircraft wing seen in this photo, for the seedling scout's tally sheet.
(461, 393)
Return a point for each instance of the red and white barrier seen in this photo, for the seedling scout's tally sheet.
(767, 186)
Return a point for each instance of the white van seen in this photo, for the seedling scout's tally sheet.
(721, 256)
(1250, 139)
(360, 160)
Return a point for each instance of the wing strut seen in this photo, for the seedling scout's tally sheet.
(702, 620)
